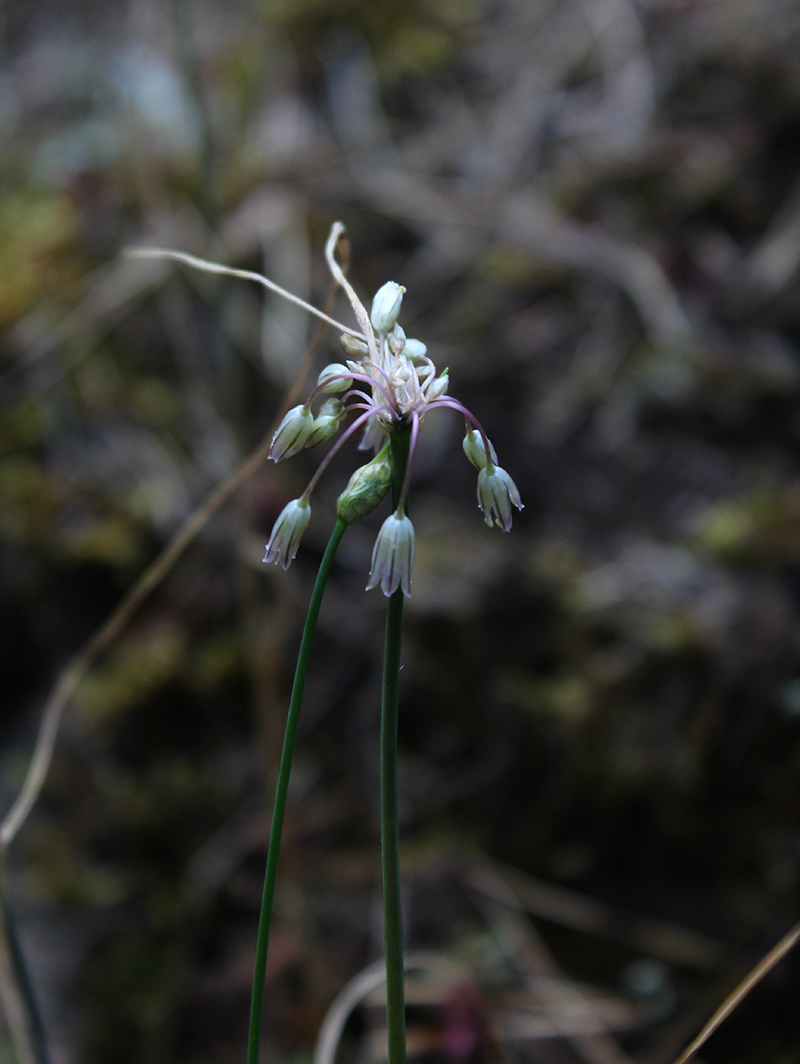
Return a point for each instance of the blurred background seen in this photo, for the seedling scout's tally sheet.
(594, 206)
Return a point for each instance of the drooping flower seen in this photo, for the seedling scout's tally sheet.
(496, 493)
(393, 555)
(287, 532)
(292, 433)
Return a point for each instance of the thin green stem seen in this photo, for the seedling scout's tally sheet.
(390, 842)
(25, 984)
(279, 809)
(21, 1012)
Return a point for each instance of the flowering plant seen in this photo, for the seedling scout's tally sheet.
(390, 384)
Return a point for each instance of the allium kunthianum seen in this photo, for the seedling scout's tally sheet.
(384, 388)
(385, 383)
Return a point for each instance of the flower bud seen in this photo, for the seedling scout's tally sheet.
(365, 489)
(326, 423)
(386, 306)
(354, 347)
(496, 492)
(475, 450)
(287, 532)
(415, 349)
(338, 375)
(397, 339)
(393, 556)
(438, 386)
(292, 433)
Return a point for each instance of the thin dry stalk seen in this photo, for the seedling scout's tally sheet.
(739, 993)
(361, 986)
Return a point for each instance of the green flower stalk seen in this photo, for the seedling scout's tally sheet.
(402, 445)
(282, 790)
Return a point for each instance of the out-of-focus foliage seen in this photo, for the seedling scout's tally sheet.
(594, 206)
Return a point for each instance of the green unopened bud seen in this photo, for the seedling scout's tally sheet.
(353, 346)
(386, 306)
(475, 449)
(366, 488)
(331, 408)
(415, 349)
(326, 423)
(292, 433)
(338, 375)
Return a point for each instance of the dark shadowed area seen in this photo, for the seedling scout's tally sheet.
(594, 206)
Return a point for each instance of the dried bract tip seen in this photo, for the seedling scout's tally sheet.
(386, 306)
(287, 532)
(393, 556)
(496, 494)
(292, 433)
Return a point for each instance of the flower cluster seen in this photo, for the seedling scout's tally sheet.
(389, 380)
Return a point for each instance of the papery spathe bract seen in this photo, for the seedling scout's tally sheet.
(393, 556)
(496, 494)
(386, 306)
(292, 433)
(287, 532)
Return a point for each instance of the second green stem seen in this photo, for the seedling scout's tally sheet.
(279, 809)
(390, 841)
